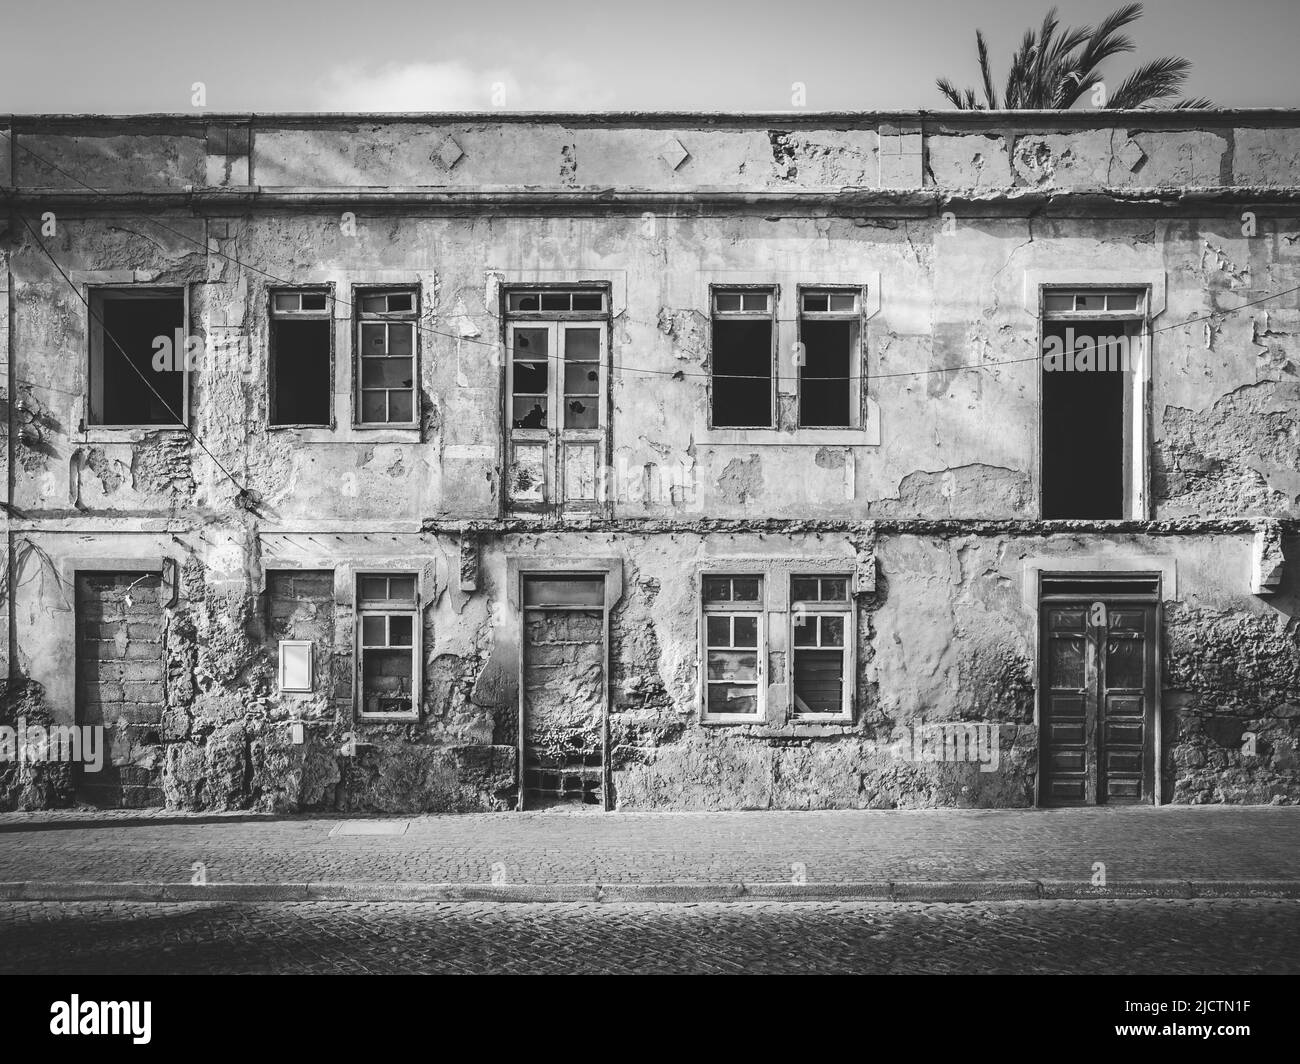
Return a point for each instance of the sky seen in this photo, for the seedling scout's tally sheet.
(132, 56)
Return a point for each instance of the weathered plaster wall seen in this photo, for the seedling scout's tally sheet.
(948, 223)
(952, 441)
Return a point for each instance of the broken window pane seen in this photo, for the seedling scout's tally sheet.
(129, 331)
(588, 301)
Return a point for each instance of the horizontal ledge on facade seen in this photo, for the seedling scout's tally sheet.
(152, 523)
(866, 526)
(849, 202)
(1037, 120)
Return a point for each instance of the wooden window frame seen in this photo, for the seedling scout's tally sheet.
(1137, 384)
(361, 318)
(857, 354)
(756, 608)
(387, 608)
(272, 316)
(773, 293)
(843, 608)
(97, 295)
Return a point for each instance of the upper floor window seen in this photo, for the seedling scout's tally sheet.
(301, 357)
(1093, 418)
(386, 357)
(743, 384)
(827, 359)
(557, 384)
(140, 357)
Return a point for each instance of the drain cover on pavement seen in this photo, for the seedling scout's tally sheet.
(370, 827)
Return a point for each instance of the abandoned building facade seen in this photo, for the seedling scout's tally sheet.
(451, 463)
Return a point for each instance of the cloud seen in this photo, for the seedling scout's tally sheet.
(456, 86)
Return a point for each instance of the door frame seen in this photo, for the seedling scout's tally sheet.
(1156, 580)
(561, 567)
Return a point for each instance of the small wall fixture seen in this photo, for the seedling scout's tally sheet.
(297, 665)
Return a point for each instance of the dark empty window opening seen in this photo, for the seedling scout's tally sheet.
(138, 358)
(742, 378)
(301, 363)
(827, 366)
(1086, 405)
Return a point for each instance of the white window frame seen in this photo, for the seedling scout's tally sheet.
(98, 295)
(387, 318)
(387, 608)
(857, 363)
(843, 608)
(1137, 382)
(748, 293)
(755, 608)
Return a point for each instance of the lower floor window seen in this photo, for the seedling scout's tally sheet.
(733, 645)
(387, 648)
(822, 636)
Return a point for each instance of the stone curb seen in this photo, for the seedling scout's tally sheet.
(879, 891)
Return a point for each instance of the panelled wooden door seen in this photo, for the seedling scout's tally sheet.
(1098, 702)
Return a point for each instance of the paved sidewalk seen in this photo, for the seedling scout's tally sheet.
(559, 856)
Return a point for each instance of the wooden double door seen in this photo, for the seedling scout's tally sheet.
(1097, 705)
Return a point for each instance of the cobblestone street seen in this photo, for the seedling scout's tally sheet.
(1167, 843)
(1113, 937)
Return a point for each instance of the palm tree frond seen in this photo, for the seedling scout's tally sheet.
(950, 93)
(986, 72)
(1157, 80)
